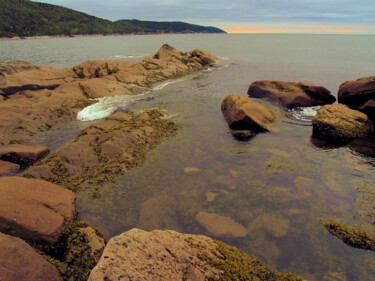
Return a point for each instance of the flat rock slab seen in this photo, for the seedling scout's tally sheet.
(291, 94)
(337, 122)
(220, 226)
(34, 209)
(7, 168)
(23, 154)
(18, 261)
(156, 255)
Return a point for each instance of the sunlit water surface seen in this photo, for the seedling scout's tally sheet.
(280, 178)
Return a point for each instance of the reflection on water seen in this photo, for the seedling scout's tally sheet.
(276, 185)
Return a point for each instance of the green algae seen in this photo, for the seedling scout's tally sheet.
(236, 265)
(72, 254)
(361, 237)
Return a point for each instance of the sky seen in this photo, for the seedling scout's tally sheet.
(241, 16)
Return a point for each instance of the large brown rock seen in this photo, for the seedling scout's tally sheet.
(242, 113)
(18, 261)
(169, 255)
(338, 122)
(359, 95)
(156, 255)
(34, 210)
(23, 154)
(220, 226)
(7, 168)
(291, 94)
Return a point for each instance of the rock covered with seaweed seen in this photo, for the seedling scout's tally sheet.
(169, 255)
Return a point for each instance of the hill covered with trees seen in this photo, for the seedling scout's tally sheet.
(27, 18)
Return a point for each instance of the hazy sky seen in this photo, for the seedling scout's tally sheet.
(241, 15)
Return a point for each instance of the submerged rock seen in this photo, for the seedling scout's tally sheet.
(7, 168)
(220, 226)
(274, 224)
(291, 94)
(18, 261)
(337, 122)
(191, 171)
(360, 236)
(34, 210)
(360, 95)
(169, 255)
(24, 154)
(245, 115)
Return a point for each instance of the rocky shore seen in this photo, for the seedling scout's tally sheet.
(38, 222)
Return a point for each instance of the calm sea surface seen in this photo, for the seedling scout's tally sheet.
(278, 185)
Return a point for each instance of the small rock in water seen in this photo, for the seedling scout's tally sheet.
(191, 171)
(279, 152)
(303, 183)
(234, 174)
(275, 225)
(210, 196)
(220, 226)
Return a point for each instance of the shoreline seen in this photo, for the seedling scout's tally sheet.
(97, 35)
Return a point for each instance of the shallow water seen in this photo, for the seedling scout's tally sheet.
(280, 179)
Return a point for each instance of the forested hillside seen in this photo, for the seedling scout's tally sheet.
(27, 18)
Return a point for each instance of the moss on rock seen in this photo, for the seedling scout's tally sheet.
(236, 265)
(73, 255)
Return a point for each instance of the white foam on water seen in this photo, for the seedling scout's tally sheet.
(106, 106)
(305, 113)
(128, 56)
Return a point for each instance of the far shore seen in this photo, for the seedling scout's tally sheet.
(98, 35)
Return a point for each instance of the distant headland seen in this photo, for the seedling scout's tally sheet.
(24, 18)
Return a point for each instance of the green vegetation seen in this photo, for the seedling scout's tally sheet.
(76, 253)
(26, 18)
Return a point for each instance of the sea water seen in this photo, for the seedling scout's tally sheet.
(277, 185)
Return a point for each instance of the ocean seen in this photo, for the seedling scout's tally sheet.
(278, 185)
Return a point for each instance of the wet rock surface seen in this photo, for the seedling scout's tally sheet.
(243, 114)
(18, 261)
(34, 210)
(291, 94)
(105, 149)
(338, 122)
(169, 255)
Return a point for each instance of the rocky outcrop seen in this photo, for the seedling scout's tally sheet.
(291, 94)
(7, 168)
(34, 210)
(169, 255)
(36, 98)
(17, 76)
(18, 261)
(242, 113)
(338, 122)
(359, 95)
(104, 149)
(220, 226)
(23, 154)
